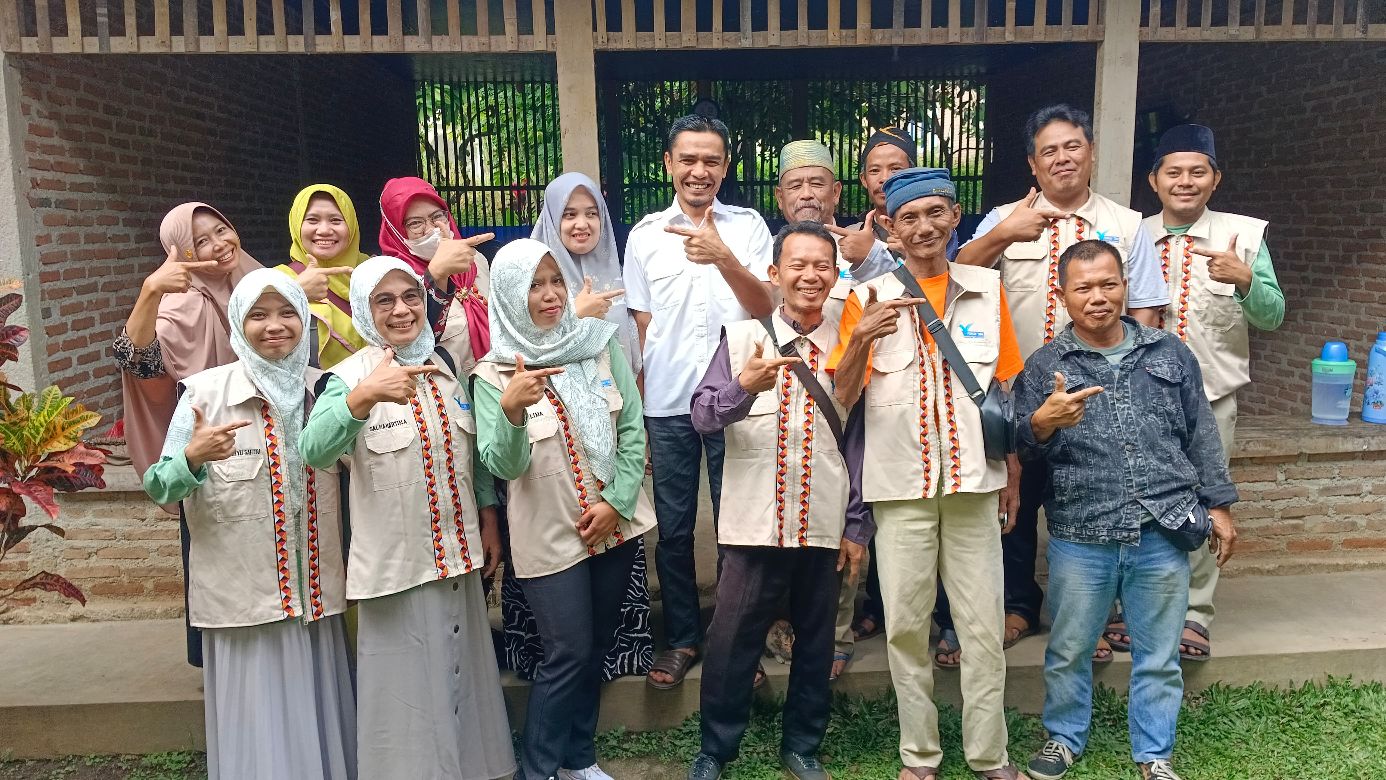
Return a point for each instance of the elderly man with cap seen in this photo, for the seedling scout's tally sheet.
(809, 190)
(1024, 240)
(1221, 281)
(936, 496)
(783, 536)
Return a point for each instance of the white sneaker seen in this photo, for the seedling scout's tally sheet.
(593, 772)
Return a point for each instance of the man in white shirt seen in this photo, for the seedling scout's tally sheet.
(689, 270)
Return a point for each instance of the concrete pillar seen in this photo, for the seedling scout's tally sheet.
(577, 87)
(1114, 111)
(18, 253)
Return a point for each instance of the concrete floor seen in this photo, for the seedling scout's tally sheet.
(83, 688)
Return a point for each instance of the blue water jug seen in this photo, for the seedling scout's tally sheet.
(1374, 399)
(1332, 373)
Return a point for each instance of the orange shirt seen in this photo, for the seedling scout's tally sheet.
(1008, 364)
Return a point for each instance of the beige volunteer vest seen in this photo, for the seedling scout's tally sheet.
(923, 434)
(784, 482)
(456, 336)
(399, 537)
(1030, 269)
(249, 562)
(549, 498)
(1205, 314)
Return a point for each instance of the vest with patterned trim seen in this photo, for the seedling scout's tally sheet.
(250, 562)
(923, 434)
(1203, 313)
(549, 498)
(1030, 269)
(784, 482)
(413, 512)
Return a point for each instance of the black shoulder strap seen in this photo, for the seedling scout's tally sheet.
(944, 341)
(811, 384)
(442, 354)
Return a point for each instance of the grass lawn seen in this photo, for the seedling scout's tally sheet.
(1335, 731)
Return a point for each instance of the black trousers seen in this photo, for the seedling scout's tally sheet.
(577, 611)
(754, 584)
(1019, 549)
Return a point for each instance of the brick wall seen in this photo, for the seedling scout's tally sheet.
(1302, 140)
(113, 142)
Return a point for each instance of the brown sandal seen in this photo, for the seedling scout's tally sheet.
(674, 663)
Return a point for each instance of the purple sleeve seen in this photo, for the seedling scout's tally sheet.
(719, 400)
(860, 524)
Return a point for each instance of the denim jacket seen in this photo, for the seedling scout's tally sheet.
(1146, 449)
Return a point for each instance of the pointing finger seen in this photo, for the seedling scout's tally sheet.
(900, 303)
(611, 294)
(1059, 382)
(546, 371)
(837, 231)
(1052, 213)
(340, 270)
(1086, 393)
(417, 370)
(479, 239)
(783, 361)
(199, 265)
(229, 427)
(680, 230)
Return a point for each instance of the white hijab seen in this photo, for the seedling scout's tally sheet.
(364, 280)
(574, 344)
(603, 263)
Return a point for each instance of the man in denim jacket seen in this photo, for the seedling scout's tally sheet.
(1118, 411)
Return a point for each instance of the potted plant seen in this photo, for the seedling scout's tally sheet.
(41, 454)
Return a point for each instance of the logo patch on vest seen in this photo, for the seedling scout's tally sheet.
(606, 383)
(1111, 238)
(463, 405)
(969, 333)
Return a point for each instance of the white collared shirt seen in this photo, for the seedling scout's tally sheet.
(688, 303)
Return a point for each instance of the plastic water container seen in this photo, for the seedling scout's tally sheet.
(1332, 385)
(1374, 399)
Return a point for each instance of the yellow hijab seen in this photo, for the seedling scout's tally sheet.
(337, 336)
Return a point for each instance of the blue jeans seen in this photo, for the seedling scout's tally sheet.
(676, 450)
(1152, 581)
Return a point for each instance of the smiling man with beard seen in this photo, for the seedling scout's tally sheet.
(1117, 412)
(935, 495)
(689, 270)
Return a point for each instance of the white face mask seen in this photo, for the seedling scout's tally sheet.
(427, 246)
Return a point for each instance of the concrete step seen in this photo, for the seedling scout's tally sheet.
(84, 688)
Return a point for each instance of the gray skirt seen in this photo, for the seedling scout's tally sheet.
(279, 702)
(430, 693)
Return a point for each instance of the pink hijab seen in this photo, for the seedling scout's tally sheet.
(193, 334)
(394, 199)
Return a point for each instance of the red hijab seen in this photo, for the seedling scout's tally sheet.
(393, 202)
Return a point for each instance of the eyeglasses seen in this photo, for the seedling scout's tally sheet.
(438, 218)
(387, 301)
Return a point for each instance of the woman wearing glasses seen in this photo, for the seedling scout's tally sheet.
(423, 537)
(416, 227)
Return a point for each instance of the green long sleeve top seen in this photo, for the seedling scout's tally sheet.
(331, 433)
(1264, 302)
(504, 448)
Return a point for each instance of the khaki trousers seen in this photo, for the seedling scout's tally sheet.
(844, 641)
(956, 537)
(1203, 565)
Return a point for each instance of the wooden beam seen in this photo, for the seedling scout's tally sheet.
(834, 21)
(483, 23)
(601, 22)
(43, 32)
(394, 24)
(281, 29)
(103, 26)
(308, 22)
(772, 19)
(512, 25)
(688, 22)
(250, 32)
(163, 37)
(363, 18)
(337, 26)
(746, 31)
(577, 89)
(1114, 110)
(132, 32)
(539, 18)
(190, 39)
(74, 24)
(628, 30)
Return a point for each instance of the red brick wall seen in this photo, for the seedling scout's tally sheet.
(1301, 137)
(113, 142)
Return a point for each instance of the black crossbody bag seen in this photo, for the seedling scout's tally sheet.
(815, 389)
(996, 406)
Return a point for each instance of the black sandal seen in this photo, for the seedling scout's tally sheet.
(674, 663)
(1205, 648)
